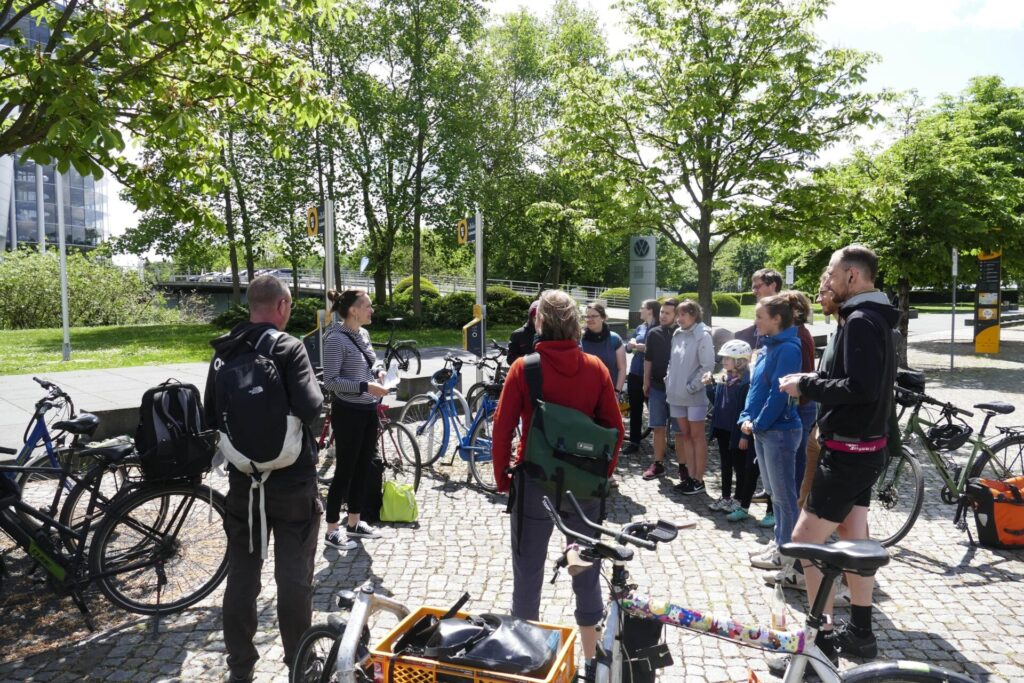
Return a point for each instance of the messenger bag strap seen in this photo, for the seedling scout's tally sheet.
(534, 379)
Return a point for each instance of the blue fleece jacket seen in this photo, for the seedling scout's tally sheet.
(729, 399)
(766, 406)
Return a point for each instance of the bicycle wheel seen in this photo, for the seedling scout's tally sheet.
(475, 396)
(408, 357)
(37, 488)
(317, 654)
(325, 457)
(401, 454)
(896, 498)
(481, 465)
(423, 416)
(1006, 459)
(111, 483)
(171, 535)
(902, 672)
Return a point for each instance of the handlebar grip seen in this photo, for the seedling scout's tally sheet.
(44, 383)
(8, 451)
(965, 412)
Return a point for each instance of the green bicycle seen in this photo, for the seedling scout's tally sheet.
(899, 492)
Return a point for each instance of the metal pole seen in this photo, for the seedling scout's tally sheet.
(952, 329)
(58, 187)
(480, 286)
(328, 227)
(40, 207)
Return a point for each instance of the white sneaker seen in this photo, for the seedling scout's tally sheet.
(789, 577)
(718, 505)
(770, 560)
(731, 505)
(762, 549)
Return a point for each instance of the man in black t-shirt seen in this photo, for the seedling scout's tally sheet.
(656, 357)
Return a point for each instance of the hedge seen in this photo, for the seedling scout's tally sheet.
(504, 306)
(615, 293)
(454, 310)
(406, 284)
(302, 320)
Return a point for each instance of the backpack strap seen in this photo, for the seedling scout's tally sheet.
(267, 341)
(534, 378)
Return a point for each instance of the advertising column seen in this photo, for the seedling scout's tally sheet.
(987, 304)
(642, 274)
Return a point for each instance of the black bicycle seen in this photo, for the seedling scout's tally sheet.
(403, 351)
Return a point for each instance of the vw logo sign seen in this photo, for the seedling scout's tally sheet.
(641, 247)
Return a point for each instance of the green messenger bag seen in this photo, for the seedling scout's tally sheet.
(565, 449)
(399, 503)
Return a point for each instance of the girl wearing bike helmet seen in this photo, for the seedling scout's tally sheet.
(729, 392)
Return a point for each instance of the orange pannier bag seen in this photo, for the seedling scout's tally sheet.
(998, 511)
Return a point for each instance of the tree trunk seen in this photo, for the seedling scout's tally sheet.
(243, 207)
(229, 226)
(380, 284)
(704, 273)
(903, 294)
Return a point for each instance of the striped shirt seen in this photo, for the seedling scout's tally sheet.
(346, 371)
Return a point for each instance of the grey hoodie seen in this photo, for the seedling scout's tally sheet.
(692, 354)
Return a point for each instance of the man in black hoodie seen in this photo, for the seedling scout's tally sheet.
(292, 502)
(855, 391)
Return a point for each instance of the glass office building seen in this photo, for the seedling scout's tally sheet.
(28, 197)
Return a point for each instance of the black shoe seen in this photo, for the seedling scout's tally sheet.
(236, 677)
(759, 497)
(698, 487)
(631, 448)
(685, 487)
(852, 642)
(361, 530)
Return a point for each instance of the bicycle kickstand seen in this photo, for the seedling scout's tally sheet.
(79, 600)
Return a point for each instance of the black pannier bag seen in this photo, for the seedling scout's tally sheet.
(911, 380)
(172, 439)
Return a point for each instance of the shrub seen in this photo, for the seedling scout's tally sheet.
(99, 293)
(695, 297)
(505, 306)
(232, 316)
(455, 310)
(301, 322)
(406, 284)
(726, 304)
(747, 299)
(615, 293)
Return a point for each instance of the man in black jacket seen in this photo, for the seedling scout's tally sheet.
(521, 342)
(855, 391)
(292, 502)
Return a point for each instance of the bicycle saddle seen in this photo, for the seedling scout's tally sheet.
(996, 407)
(862, 557)
(110, 454)
(85, 423)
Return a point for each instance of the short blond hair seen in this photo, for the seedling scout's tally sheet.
(559, 316)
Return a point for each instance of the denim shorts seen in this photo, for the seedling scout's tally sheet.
(657, 405)
(689, 413)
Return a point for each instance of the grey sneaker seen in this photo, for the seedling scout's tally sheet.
(337, 539)
(789, 577)
(770, 560)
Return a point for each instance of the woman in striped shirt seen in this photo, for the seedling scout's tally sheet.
(353, 378)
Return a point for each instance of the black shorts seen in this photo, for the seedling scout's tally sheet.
(841, 481)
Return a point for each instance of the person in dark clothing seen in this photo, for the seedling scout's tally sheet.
(521, 342)
(649, 311)
(657, 352)
(765, 282)
(728, 395)
(292, 503)
(856, 394)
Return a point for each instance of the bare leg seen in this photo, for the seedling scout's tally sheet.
(811, 528)
(853, 528)
(700, 449)
(684, 447)
(588, 636)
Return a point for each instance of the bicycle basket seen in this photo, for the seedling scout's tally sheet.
(949, 437)
(442, 377)
(911, 380)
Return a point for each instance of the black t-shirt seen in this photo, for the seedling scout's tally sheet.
(659, 348)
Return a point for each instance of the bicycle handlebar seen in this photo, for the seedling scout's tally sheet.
(620, 536)
(924, 398)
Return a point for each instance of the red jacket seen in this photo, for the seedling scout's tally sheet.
(571, 378)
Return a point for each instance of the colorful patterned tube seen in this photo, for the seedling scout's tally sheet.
(667, 613)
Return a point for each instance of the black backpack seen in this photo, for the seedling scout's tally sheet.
(172, 439)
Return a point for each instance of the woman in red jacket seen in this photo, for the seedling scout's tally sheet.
(573, 379)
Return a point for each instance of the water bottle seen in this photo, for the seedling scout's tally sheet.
(777, 603)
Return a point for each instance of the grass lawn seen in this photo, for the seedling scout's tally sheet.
(39, 351)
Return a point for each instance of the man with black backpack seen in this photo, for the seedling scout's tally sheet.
(262, 395)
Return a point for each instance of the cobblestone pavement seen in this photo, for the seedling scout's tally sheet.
(940, 600)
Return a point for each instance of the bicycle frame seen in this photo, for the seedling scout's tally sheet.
(465, 449)
(366, 603)
(39, 433)
(956, 482)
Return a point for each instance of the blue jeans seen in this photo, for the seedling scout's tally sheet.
(808, 414)
(776, 453)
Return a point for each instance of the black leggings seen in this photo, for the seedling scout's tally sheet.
(732, 459)
(635, 391)
(745, 487)
(355, 441)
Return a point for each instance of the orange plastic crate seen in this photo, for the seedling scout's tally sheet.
(417, 670)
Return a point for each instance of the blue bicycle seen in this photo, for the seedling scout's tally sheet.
(438, 416)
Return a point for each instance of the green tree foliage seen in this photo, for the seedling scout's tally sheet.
(100, 292)
(707, 118)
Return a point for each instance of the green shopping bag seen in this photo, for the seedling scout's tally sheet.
(399, 503)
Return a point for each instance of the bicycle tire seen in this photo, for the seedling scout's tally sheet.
(481, 463)
(114, 484)
(147, 527)
(1005, 460)
(401, 454)
(902, 672)
(36, 488)
(317, 654)
(326, 459)
(428, 424)
(408, 358)
(475, 395)
(896, 498)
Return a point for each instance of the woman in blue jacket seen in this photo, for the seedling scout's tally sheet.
(773, 420)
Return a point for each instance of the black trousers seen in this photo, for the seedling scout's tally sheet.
(293, 521)
(635, 391)
(734, 461)
(355, 438)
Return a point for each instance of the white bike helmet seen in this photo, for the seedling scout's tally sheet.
(735, 348)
